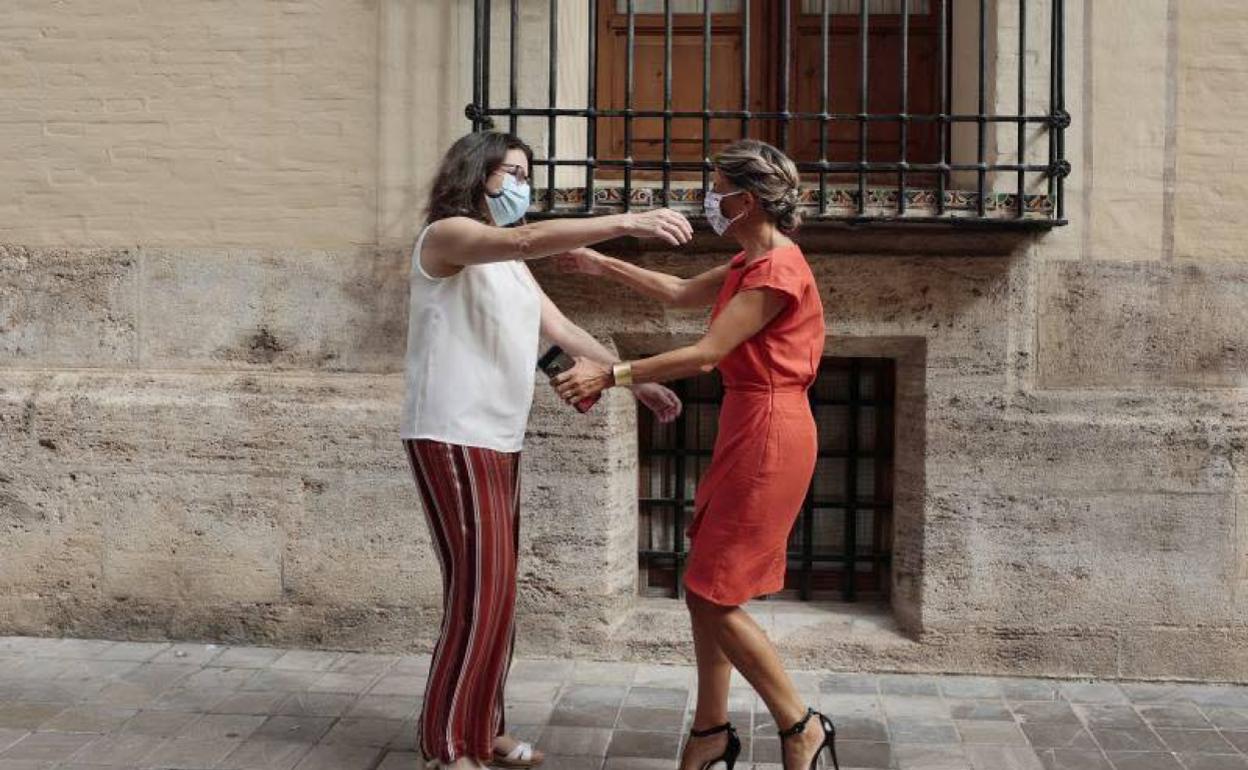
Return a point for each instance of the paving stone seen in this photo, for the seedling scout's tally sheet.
(194, 654)
(1028, 689)
(247, 657)
(922, 730)
(1073, 759)
(980, 709)
(915, 706)
(902, 684)
(1227, 719)
(970, 687)
(593, 672)
(340, 757)
(526, 713)
(575, 741)
(248, 702)
(1143, 760)
(47, 747)
(387, 707)
(293, 729)
(1213, 761)
(224, 727)
(646, 719)
(1127, 740)
(1058, 735)
(8, 737)
(1237, 738)
(317, 704)
(88, 719)
(675, 677)
(867, 684)
(351, 683)
(540, 691)
(655, 697)
(864, 754)
(626, 743)
(28, 716)
(165, 724)
(1002, 758)
(1173, 715)
(1044, 712)
(861, 728)
(365, 663)
(1180, 740)
(123, 749)
(541, 670)
(306, 660)
(264, 754)
(917, 756)
(1110, 716)
(1092, 692)
(393, 683)
(998, 733)
(401, 760)
(364, 732)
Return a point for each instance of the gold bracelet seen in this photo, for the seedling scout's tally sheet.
(623, 374)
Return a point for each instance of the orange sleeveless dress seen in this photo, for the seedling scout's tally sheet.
(765, 449)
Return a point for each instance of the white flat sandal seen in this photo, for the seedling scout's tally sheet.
(519, 757)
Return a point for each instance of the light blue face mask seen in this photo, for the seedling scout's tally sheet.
(510, 203)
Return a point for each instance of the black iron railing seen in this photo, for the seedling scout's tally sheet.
(840, 546)
(923, 189)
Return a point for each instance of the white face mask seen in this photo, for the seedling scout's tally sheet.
(710, 205)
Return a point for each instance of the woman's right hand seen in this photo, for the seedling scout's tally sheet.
(664, 224)
(584, 261)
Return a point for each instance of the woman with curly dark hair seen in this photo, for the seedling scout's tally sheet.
(475, 318)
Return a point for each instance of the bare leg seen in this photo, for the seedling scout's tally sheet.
(746, 645)
(714, 677)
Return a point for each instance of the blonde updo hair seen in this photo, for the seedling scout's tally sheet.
(767, 173)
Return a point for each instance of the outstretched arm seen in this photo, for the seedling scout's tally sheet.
(745, 315)
(560, 330)
(456, 242)
(700, 290)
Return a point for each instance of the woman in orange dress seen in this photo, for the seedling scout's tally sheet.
(766, 337)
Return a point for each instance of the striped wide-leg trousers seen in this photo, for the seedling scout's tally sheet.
(471, 498)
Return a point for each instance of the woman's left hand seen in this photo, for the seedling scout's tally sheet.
(587, 378)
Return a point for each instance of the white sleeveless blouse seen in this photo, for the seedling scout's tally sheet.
(471, 354)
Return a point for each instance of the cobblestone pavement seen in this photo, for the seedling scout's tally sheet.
(76, 704)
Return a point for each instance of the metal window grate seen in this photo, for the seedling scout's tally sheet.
(841, 544)
(994, 178)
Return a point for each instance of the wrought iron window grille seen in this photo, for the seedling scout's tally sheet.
(920, 190)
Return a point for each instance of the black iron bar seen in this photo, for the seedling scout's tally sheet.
(513, 57)
(591, 104)
(477, 52)
(786, 64)
(824, 104)
(628, 108)
(1022, 106)
(904, 128)
(706, 95)
(946, 106)
(851, 482)
(1059, 16)
(864, 13)
(552, 99)
(878, 117)
(982, 143)
(667, 102)
(745, 69)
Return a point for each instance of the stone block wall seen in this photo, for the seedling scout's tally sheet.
(204, 227)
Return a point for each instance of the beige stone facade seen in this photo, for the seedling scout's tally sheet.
(205, 209)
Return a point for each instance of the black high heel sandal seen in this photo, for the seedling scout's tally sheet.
(829, 737)
(731, 752)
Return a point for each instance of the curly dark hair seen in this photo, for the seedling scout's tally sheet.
(459, 187)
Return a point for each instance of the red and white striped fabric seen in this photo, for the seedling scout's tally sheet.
(471, 498)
